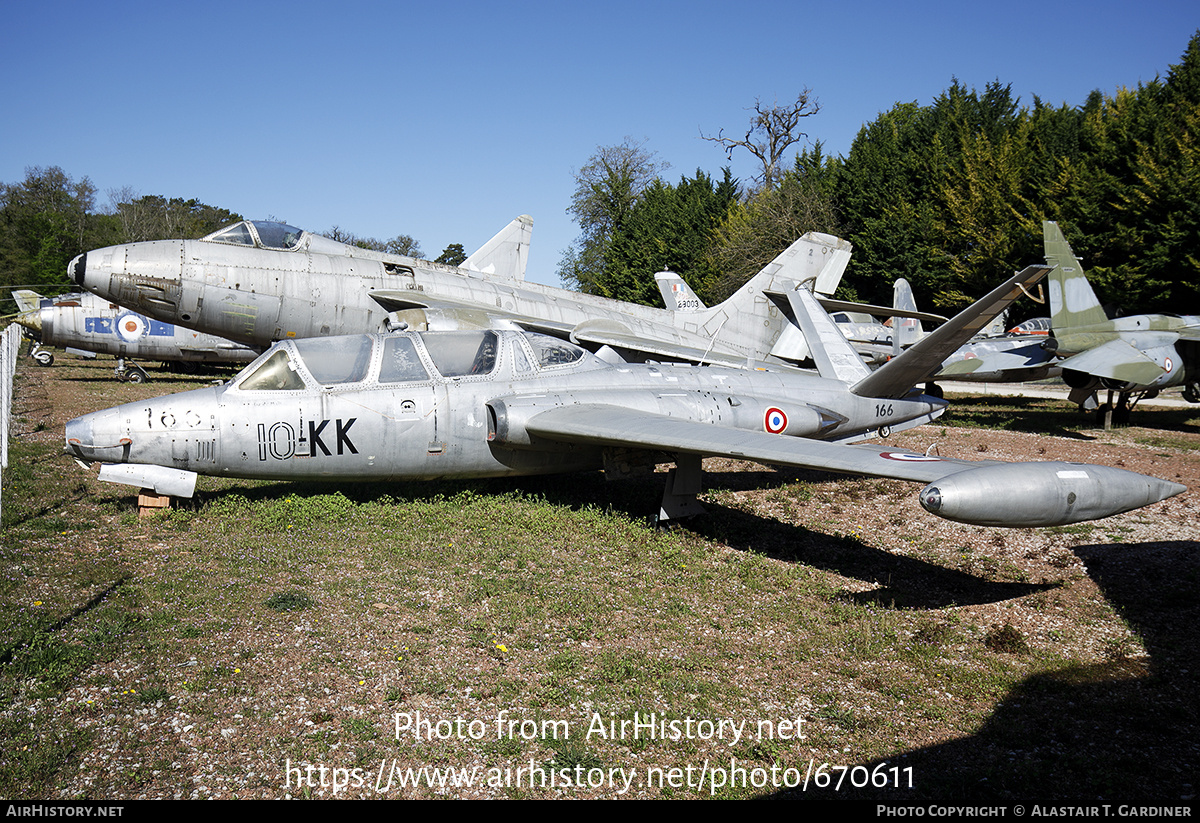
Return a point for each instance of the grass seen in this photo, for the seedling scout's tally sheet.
(283, 622)
(1061, 418)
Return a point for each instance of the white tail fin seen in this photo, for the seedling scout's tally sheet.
(677, 295)
(905, 330)
(746, 319)
(831, 351)
(505, 255)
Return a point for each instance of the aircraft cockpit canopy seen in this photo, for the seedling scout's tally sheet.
(459, 354)
(336, 360)
(266, 234)
(331, 361)
(272, 372)
(340, 361)
(550, 351)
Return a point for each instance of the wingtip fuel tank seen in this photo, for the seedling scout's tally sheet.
(1023, 495)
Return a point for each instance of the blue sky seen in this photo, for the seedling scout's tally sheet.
(446, 120)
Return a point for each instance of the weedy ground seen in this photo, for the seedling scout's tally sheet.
(235, 645)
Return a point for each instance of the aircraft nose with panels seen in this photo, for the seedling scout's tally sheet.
(235, 284)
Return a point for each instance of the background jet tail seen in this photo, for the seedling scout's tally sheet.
(505, 255)
(677, 295)
(905, 330)
(1072, 301)
(815, 261)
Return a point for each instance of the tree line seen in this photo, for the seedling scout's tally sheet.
(949, 195)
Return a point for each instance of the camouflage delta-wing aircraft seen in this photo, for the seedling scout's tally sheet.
(1133, 356)
(421, 405)
(256, 282)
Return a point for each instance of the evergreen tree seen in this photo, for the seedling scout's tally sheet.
(669, 227)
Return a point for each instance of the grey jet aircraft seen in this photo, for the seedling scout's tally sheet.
(88, 323)
(420, 405)
(257, 282)
(1132, 356)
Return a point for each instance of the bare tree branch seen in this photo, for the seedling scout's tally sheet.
(770, 133)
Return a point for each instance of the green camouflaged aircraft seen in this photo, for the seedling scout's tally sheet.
(1132, 356)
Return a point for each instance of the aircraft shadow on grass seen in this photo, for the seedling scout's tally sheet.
(1126, 730)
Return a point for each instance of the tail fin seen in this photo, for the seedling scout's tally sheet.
(505, 255)
(1072, 301)
(747, 319)
(905, 330)
(924, 359)
(677, 295)
(27, 300)
(831, 351)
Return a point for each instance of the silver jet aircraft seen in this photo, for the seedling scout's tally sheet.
(497, 403)
(257, 282)
(88, 323)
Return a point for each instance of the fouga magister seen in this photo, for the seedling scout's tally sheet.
(422, 405)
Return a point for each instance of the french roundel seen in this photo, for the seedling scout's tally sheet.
(908, 457)
(775, 421)
(130, 327)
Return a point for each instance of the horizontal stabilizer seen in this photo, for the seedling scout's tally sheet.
(831, 305)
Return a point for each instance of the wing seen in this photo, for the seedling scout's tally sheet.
(1116, 360)
(995, 357)
(983, 493)
(605, 425)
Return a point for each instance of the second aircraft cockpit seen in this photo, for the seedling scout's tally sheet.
(364, 361)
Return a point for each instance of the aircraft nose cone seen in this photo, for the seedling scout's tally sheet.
(77, 268)
(79, 440)
(99, 436)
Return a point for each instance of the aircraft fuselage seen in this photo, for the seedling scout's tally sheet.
(424, 424)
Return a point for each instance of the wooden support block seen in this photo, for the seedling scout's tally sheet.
(150, 502)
